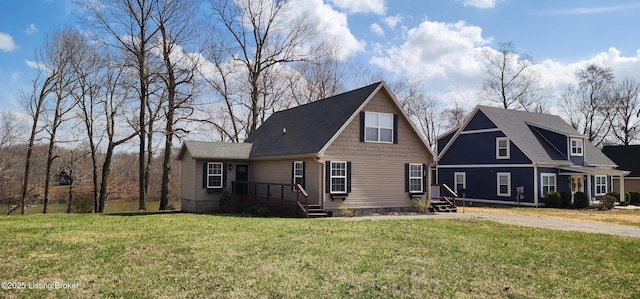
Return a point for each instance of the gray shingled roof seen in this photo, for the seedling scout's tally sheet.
(216, 150)
(516, 125)
(308, 127)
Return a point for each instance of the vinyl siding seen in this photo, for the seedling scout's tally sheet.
(188, 184)
(479, 122)
(480, 148)
(482, 182)
(378, 173)
(279, 171)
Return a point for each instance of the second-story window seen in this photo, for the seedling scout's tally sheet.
(577, 147)
(378, 127)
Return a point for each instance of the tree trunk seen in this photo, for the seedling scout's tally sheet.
(106, 172)
(70, 201)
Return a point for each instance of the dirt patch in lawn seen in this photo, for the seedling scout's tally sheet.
(617, 216)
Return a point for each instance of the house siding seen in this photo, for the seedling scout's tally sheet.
(479, 122)
(195, 197)
(279, 171)
(480, 148)
(482, 182)
(378, 173)
(442, 142)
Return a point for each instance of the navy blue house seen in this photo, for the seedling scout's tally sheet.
(515, 157)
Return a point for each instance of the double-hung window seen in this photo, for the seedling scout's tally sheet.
(298, 173)
(460, 181)
(504, 184)
(214, 175)
(415, 178)
(576, 146)
(601, 185)
(338, 177)
(502, 148)
(548, 183)
(378, 127)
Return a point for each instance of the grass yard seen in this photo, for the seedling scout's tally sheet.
(198, 256)
(112, 207)
(615, 216)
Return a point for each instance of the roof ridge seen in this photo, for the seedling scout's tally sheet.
(331, 97)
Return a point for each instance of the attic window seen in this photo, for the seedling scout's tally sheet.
(502, 148)
(576, 147)
(378, 127)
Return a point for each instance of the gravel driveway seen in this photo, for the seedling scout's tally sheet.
(541, 222)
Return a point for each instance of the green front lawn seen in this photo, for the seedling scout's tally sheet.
(195, 256)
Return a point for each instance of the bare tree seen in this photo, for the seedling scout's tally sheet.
(128, 26)
(264, 34)
(177, 30)
(625, 118)
(63, 47)
(454, 117)
(115, 96)
(588, 105)
(511, 80)
(33, 103)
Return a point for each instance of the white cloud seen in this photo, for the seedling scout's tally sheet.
(6, 42)
(436, 49)
(375, 28)
(392, 21)
(361, 6)
(31, 29)
(331, 24)
(480, 3)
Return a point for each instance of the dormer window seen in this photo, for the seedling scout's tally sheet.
(577, 147)
(502, 148)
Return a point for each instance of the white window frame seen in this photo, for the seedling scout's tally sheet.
(298, 177)
(508, 146)
(578, 148)
(549, 186)
(420, 177)
(508, 175)
(455, 181)
(600, 185)
(211, 173)
(378, 126)
(343, 177)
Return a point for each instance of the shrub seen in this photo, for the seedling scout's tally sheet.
(566, 199)
(580, 200)
(616, 195)
(226, 202)
(607, 202)
(422, 204)
(345, 212)
(82, 204)
(259, 211)
(552, 200)
(635, 198)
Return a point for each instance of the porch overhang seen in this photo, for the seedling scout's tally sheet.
(574, 170)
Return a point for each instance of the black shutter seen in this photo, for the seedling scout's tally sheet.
(406, 177)
(293, 174)
(304, 173)
(204, 174)
(224, 175)
(424, 178)
(395, 128)
(348, 177)
(327, 177)
(362, 132)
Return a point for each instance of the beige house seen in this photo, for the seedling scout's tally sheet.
(357, 150)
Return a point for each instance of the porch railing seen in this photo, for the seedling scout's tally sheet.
(273, 192)
(442, 191)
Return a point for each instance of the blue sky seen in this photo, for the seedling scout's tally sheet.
(437, 41)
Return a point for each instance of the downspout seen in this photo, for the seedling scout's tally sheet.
(322, 181)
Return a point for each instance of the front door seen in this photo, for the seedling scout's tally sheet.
(577, 184)
(242, 175)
